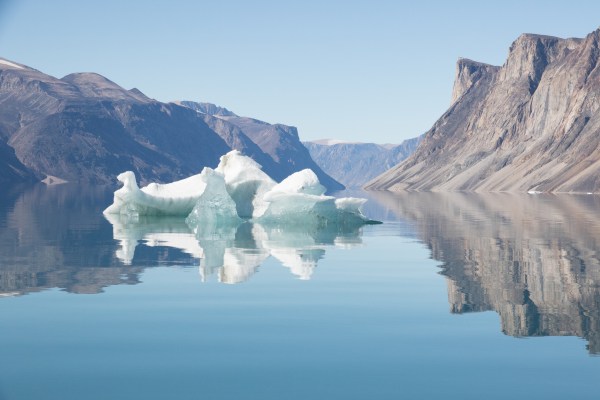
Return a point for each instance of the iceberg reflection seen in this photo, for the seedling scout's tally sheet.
(233, 250)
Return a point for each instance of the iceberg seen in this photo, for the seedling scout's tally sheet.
(246, 183)
(300, 199)
(176, 198)
(215, 203)
(238, 190)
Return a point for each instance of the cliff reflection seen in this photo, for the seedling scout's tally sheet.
(55, 237)
(233, 253)
(531, 258)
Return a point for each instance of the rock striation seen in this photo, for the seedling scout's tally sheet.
(532, 124)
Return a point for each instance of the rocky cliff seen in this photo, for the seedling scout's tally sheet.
(532, 124)
(354, 164)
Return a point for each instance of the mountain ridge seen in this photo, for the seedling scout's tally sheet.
(530, 125)
(86, 128)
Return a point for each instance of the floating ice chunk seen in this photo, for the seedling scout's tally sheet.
(177, 198)
(246, 183)
(304, 181)
(214, 204)
(300, 198)
(238, 188)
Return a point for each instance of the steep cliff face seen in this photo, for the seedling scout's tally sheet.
(468, 73)
(531, 125)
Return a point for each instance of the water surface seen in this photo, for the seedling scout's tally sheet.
(454, 296)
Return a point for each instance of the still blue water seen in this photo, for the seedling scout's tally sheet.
(454, 296)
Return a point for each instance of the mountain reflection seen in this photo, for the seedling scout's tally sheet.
(55, 237)
(531, 258)
(232, 253)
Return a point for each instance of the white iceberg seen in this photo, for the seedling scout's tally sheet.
(238, 189)
(177, 198)
(246, 183)
(215, 203)
(300, 198)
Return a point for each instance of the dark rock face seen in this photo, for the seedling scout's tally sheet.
(530, 258)
(278, 145)
(11, 169)
(531, 125)
(354, 164)
(86, 128)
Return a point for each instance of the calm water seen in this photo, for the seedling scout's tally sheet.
(455, 296)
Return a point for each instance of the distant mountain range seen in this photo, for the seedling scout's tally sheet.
(532, 124)
(354, 164)
(86, 128)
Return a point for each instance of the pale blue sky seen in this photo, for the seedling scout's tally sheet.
(357, 70)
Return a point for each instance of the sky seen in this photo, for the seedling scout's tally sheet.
(370, 71)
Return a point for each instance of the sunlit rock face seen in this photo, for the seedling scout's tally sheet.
(530, 125)
(531, 258)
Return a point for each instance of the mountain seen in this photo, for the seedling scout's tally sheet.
(532, 124)
(278, 142)
(86, 128)
(354, 164)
